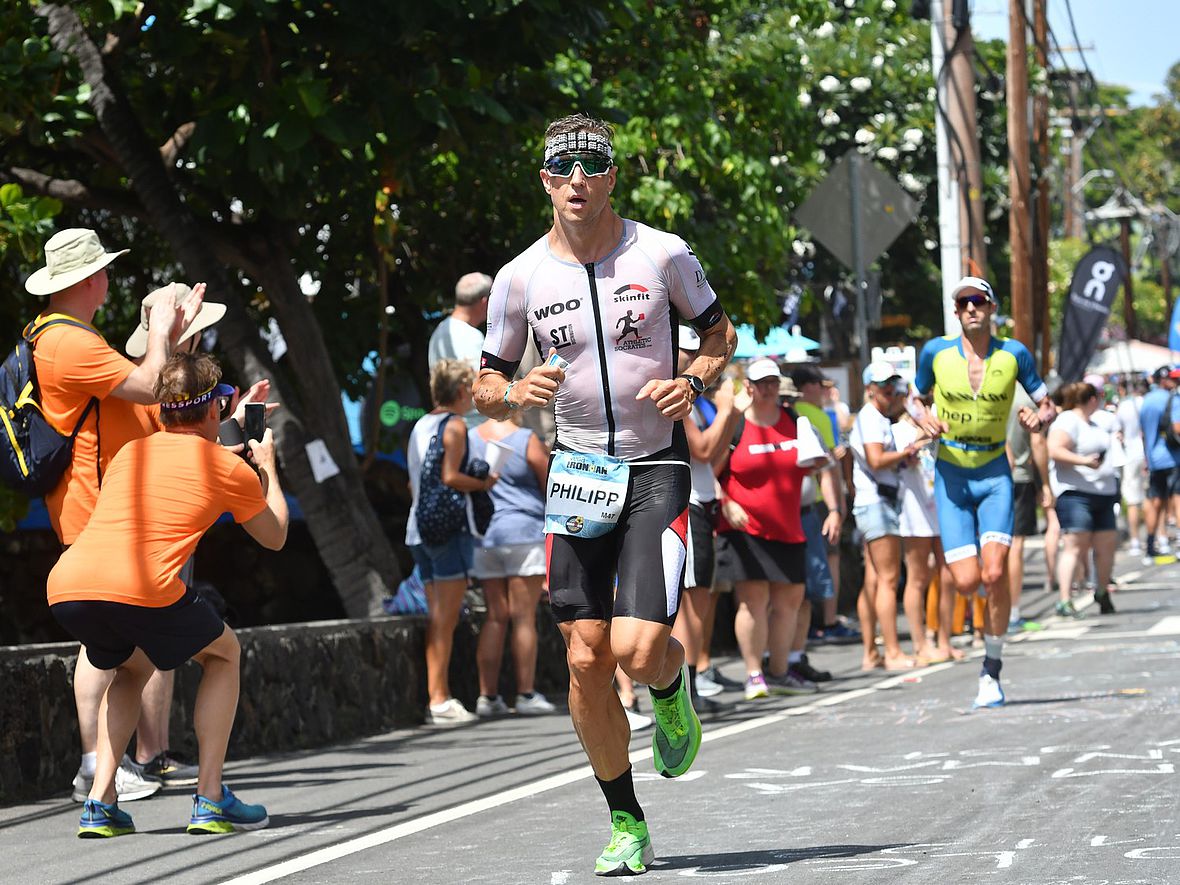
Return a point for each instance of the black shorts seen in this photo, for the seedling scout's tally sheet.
(701, 560)
(1024, 502)
(743, 557)
(112, 631)
(1163, 484)
(646, 550)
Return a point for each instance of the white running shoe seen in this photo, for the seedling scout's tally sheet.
(130, 784)
(1133, 548)
(488, 709)
(537, 705)
(990, 693)
(450, 712)
(706, 687)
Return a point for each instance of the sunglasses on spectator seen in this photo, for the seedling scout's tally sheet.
(974, 300)
(592, 165)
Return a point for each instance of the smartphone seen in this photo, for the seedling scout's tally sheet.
(255, 421)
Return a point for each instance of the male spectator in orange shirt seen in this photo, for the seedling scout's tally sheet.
(73, 365)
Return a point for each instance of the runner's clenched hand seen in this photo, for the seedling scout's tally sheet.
(537, 389)
(671, 397)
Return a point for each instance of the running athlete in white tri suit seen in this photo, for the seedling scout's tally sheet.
(602, 297)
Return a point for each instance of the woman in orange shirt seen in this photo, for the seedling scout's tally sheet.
(118, 592)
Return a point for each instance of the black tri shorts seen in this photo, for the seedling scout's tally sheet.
(645, 550)
(169, 635)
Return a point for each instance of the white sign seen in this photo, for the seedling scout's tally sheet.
(322, 465)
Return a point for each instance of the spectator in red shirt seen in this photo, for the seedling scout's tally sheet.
(761, 543)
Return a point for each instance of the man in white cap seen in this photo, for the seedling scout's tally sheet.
(973, 376)
(75, 365)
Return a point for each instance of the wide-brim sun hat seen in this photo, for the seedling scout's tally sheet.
(70, 257)
(209, 314)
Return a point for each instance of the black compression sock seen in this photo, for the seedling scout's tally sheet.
(692, 683)
(620, 794)
(670, 690)
(991, 667)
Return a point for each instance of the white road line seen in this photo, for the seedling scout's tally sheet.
(1168, 626)
(409, 828)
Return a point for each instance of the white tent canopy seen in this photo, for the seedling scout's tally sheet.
(1129, 356)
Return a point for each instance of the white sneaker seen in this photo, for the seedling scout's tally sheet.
(706, 687)
(990, 693)
(486, 709)
(637, 721)
(1133, 548)
(450, 712)
(537, 705)
(130, 784)
(1163, 548)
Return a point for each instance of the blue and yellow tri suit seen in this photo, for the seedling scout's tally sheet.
(972, 479)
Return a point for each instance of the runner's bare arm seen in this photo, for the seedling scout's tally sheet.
(673, 396)
(536, 389)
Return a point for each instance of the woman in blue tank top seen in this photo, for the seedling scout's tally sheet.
(510, 563)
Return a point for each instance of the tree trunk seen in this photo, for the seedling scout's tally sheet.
(346, 531)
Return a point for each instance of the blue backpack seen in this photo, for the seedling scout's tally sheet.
(33, 454)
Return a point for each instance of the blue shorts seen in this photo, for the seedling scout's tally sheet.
(818, 582)
(447, 562)
(879, 519)
(975, 506)
(1086, 512)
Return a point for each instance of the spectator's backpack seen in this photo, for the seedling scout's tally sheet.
(442, 510)
(1167, 428)
(33, 454)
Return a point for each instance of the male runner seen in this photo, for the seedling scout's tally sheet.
(619, 479)
(974, 377)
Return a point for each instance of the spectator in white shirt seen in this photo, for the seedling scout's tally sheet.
(458, 336)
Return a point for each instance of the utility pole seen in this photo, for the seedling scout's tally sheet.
(961, 109)
(1128, 294)
(949, 234)
(1040, 263)
(1019, 221)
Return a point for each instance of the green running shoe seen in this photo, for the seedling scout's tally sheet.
(678, 730)
(629, 850)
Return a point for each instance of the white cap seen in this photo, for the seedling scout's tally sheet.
(878, 372)
(761, 369)
(975, 283)
(689, 339)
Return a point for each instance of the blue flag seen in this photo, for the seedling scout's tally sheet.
(1174, 329)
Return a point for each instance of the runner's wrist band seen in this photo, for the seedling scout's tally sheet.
(509, 403)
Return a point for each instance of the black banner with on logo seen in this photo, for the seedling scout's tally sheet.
(1092, 291)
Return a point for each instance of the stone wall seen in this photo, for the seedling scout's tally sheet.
(303, 686)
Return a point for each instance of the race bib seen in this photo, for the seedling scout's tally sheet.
(585, 494)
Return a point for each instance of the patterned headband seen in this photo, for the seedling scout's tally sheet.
(578, 141)
(199, 399)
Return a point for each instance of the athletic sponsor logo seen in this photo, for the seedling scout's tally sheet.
(632, 292)
(558, 308)
(700, 278)
(629, 323)
(574, 524)
(562, 336)
(954, 396)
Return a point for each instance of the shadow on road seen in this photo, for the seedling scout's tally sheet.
(739, 862)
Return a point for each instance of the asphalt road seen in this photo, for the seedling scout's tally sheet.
(876, 779)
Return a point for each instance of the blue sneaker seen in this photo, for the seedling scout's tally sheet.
(225, 816)
(101, 821)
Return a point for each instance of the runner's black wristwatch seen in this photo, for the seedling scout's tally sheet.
(697, 385)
